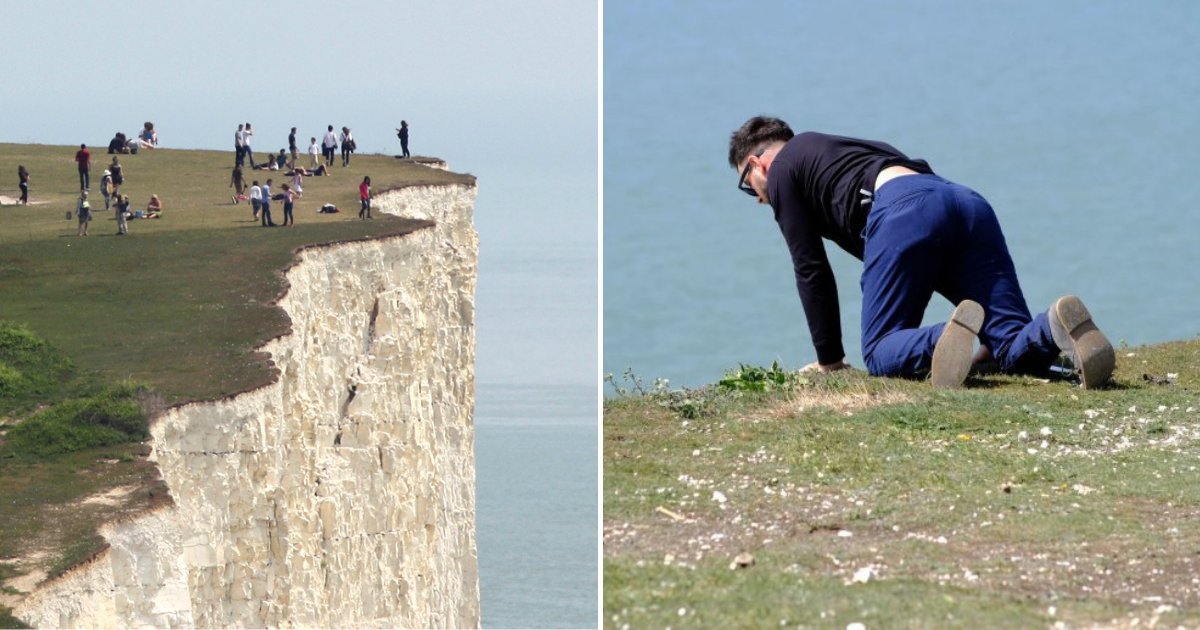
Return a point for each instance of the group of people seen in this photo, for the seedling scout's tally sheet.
(83, 211)
(327, 148)
(146, 139)
(260, 202)
(110, 186)
(260, 196)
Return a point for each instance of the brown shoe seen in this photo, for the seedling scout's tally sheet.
(952, 356)
(1076, 334)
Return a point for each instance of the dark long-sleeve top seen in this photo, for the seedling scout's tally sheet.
(814, 186)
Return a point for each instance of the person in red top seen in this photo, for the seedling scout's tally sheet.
(364, 195)
(84, 160)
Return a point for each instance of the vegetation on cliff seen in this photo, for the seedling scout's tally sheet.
(777, 499)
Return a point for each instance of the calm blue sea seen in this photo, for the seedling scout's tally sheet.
(1077, 120)
(535, 429)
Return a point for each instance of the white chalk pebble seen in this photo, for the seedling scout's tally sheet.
(856, 625)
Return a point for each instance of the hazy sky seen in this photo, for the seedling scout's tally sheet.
(506, 91)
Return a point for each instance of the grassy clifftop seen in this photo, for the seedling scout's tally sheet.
(832, 499)
(181, 302)
(170, 313)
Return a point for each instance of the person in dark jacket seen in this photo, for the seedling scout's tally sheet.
(402, 133)
(916, 234)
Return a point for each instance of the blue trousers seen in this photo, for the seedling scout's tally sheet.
(925, 235)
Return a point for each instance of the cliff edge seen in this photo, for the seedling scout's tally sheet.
(342, 494)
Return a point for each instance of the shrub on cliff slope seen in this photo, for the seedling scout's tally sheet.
(112, 416)
(30, 368)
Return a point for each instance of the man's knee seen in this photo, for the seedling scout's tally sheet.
(873, 362)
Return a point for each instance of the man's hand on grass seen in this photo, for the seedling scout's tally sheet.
(830, 367)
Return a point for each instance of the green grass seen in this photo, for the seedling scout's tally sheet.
(993, 506)
(182, 301)
(177, 307)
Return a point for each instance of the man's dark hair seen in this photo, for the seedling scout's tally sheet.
(756, 132)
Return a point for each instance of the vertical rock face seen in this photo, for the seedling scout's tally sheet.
(344, 493)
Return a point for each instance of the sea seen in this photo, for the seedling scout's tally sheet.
(536, 452)
(1076, 119)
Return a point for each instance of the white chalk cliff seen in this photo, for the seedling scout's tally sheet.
(341, 495)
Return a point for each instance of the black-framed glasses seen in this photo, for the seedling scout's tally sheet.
(742, 185)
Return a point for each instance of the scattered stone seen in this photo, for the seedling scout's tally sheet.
(856, 625)
(742, 561)
(1159, 380)
(863, 575)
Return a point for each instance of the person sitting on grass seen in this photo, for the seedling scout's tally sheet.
(268, 165)
(320, 171)
(117, 144)
(280, 160)
(154, 208)
(148, 139)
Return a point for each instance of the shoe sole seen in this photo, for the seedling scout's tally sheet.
(956, 347)
(1076, 334)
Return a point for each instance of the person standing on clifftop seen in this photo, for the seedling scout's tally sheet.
(239, 149)
(312, 152)
(289, 203)
(23, 175)
(329, 146)
(266, 205)
(238, 183)
(348, 146)
(83, 210)
(916, 234)
(255, 198)
(84, 160)
(246, 133)
(402, 133)
(292, 145)
(118, 175)
(364, 196)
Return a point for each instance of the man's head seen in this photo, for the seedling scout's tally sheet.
(747, 146)
(755, 134)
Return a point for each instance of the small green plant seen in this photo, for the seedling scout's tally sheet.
(751, 378)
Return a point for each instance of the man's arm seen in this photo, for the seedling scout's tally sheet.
(814, 276)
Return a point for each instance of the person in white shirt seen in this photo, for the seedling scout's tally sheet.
(329, 144)
(312, 152)
(255, 198)
(246, 133)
